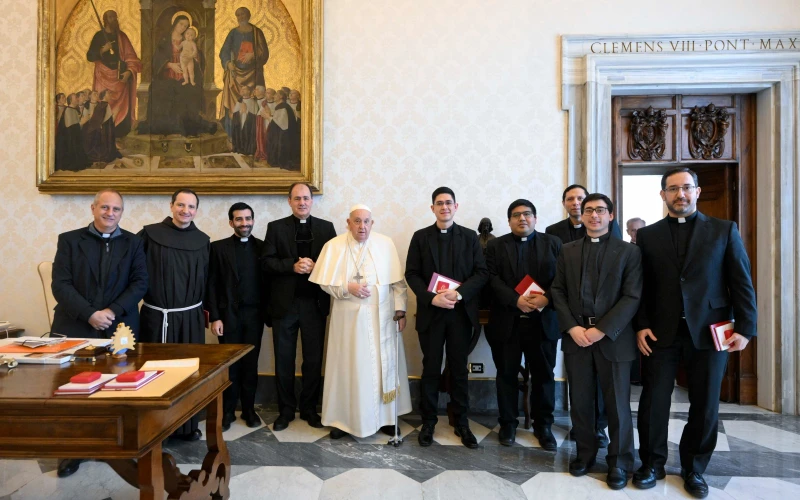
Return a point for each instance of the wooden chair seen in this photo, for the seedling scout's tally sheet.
(46, 274)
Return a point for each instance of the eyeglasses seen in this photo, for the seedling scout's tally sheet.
(675, 189)
(518, 215)
(598, 211)
(446, 203)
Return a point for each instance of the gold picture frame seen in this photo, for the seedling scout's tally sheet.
(202, 178)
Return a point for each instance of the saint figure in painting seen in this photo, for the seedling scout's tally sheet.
(115, 68)
(243, 56)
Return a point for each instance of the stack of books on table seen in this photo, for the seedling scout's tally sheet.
(91, 382)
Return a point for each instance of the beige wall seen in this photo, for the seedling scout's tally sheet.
(417, 94)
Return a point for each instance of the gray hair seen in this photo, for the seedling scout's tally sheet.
(98, 194)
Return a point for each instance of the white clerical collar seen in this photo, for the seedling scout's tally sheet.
(443, 231)
(303, 221)
(524, 238)
(106, 235)
(577, 226)
(595, 240)
(244, 240)
(681, 220)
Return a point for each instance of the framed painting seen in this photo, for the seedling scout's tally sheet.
(223, 96)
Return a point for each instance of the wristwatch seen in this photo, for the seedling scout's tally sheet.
(459, 296)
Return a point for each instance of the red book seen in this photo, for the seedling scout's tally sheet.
(720, 332)
(440, 282)
(244, 48)
(529, 287)
(84, 377)
(130, 377)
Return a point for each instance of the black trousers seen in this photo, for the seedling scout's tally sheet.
(587, 368)
(450, 332)
(705, 370)
(303, 315)
(540, 356)
(244, 373)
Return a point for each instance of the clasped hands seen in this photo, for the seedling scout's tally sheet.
(585, 337)
(530, 303)
(304, 265)
(736, 342)
(102, 320)
(358, 290)
(446, 299)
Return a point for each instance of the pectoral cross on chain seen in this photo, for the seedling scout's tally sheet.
(358, 277)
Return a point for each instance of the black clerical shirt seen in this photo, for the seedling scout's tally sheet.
(681, 234)
(106, 243)
(524, 251)
(576, 233)
(446, 267)
(592, 253)
(247, 266)
(303, 237)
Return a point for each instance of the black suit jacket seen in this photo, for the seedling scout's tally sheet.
(561, 229)
(714, 284)
(222, 296)
(469, 269)
(501, 259)
(618, 295)
(76, 278)
(280, 254)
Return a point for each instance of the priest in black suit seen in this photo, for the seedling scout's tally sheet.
(446, 319)
(237, 309)
(597, 291)
(523, 323)
(177, 263)
(571, 229)
(99, 274)
(99, 277)
(291, 248)
(696, 273)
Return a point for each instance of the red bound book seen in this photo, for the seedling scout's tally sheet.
(130, 377)
(440, 282)
(720, 332)
(528, 287)
(84, 377)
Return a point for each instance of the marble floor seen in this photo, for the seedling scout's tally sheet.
(758, 456)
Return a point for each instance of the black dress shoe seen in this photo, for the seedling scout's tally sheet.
(546, 439)
(602, 438)
(645, 477)
(251, 419)
(337, 433)
(694, 484)
(280, 423)
(313, 420)
(68, 467)
(580, 467)
(388, 430)
(507, 434)
(425, 437)
(617, 478)
(227, 420)
(467, 437)
(190, 436)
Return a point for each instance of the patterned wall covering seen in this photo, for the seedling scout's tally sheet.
(416, 95)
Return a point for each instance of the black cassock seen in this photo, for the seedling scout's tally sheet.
(99, 137)
(70, 154)
(243, 136)
(177, 264)
(283, 148)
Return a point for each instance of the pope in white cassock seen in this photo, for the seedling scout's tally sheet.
(361, 271)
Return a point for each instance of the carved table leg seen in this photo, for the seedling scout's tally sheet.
(213, 477)
(151, 475)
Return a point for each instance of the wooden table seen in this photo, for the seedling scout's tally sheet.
(127, 433)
